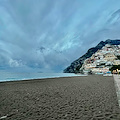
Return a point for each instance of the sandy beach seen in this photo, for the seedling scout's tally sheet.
(74, 98)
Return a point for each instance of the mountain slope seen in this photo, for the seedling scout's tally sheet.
(74, 67)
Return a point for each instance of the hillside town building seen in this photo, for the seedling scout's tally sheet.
(102, 60)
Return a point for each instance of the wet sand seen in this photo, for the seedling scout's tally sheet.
(76, 98)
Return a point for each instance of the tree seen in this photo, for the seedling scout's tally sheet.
(114, 67)
(90, 72)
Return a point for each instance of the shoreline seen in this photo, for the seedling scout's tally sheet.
(29, 79)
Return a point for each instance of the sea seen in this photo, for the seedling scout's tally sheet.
(16, 76)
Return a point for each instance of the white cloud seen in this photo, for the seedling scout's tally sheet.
(15, 63)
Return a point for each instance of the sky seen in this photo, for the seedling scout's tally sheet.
(47, 35)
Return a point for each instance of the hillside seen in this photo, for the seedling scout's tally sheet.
(77, 64)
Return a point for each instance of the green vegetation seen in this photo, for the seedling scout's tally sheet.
(90, 72)
(114, 67)
(118, 57)
(78, 67)
(77, 70)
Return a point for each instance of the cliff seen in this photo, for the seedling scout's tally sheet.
(77, 64)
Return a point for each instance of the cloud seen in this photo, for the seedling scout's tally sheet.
(15, 63)
(49, 35)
